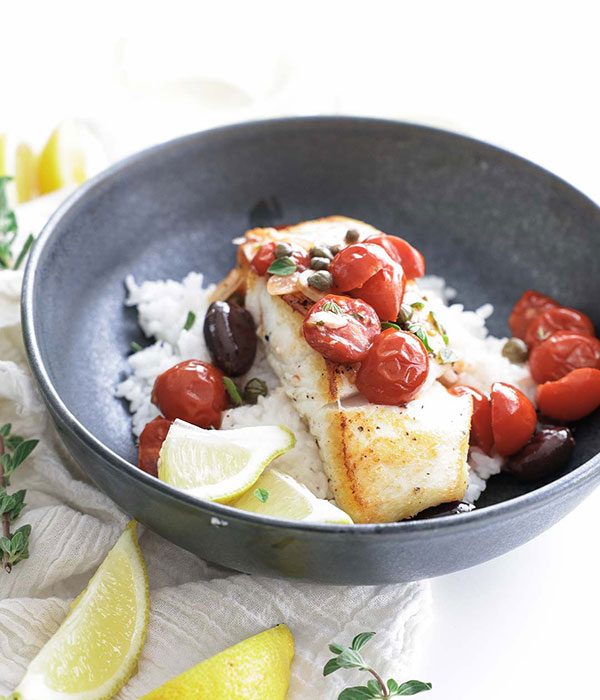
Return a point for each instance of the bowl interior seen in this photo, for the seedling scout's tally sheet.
(492, 224)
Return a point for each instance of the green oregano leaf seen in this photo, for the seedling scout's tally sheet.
(388, 324)
(332, 306)
(412, 688)
(361, 639)
(189, 321)
(5, 429)
(23, 451)
(262, 495)
(282, 266)
(233, 391)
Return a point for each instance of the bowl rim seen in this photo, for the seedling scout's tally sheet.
(533, 500)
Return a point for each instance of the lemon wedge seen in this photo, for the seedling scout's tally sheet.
(219, 465)
(255, 669)
(281, 496)
(18, 160)
(97, 647)
(71, 155)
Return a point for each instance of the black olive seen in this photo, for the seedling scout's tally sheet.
(452, 508)
(547, 453)
(230, 336)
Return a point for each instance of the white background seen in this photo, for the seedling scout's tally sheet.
(523, 75)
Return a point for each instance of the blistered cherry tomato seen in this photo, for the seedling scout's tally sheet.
(562, 352)
(572, 397)
(356, 264)
(340, 328)
(265, 256)
(401, 251)
(530, 305)
(394, 369)
(513, 418)
(560, 318)
(192, 391)
(151, 440)
(481, 420)
(384, 292)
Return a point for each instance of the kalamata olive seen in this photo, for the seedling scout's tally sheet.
(452, 508)
(230, 336)
(319, 263)
(548, 451)
(515, 350)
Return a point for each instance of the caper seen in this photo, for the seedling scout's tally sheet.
(282, 250)
(318, 251)
(335, 249)
(253, 389)
(321, 280)
(352, 235)
(319, 263)
(404, 315)
(515, 350)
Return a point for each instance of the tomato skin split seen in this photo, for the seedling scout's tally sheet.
(513, 418)
(402, 252)
(481, 421)
(571, 397)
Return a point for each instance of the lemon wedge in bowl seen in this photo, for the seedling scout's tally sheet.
(281, 496)
(96, 649)
(219, 465)
(255, 669)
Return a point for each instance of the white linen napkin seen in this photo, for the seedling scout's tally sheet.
(196, 609)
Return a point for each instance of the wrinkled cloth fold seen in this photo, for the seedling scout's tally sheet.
(197, 609)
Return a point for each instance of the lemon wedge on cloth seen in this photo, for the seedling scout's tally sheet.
(18, 160)
(219, 465)
(72, 154)
(281, 496)
(256, 669)
(97, 647)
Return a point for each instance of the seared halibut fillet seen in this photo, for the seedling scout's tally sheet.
(384, 463)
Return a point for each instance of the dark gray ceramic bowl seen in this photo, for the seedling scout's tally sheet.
(491, 223)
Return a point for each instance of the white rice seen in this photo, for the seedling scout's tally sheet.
(163, 307)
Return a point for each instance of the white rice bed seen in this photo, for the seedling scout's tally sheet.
(163, 307)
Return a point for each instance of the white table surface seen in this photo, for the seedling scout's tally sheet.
(524, 625)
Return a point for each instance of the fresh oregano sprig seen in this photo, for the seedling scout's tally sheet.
(14, 450)
(9, 230)
(350, 657)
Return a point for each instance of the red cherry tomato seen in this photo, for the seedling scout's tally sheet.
(356, 264)
(264, 257)
(562, 352)
(481, 421)
(394, 369)
(401, 251)
(151, 440)
(192, 391)
(530, 305)
(351, 341)
(572, 397)
(513, 418)
(384, 292)
(560, 318)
